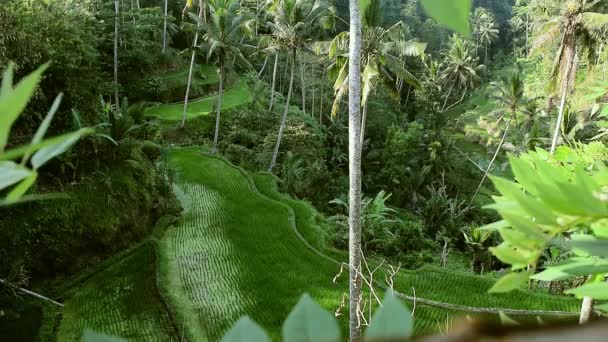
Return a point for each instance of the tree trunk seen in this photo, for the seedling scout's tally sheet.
(569, 52)
(302, 85)
(363, 125)
(184, 114)
(275, 154)
(586, 310)
(448, 95)
(354, 151)
(485, 175)
(322, 96)
(527, 52)
(263, 67)
(116, 8)
(219, 109)
(274, 80)
(165, 27)
(486, 60)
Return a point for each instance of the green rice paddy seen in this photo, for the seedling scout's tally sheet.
(241, 247)
(238, 95)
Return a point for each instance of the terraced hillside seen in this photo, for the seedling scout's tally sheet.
(121, 300)
(236, 252)
(240, 248)
(233, 97)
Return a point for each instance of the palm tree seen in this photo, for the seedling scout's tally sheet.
(201, 15)
(576, 27)
(381, 58)
(509, 96)
(488, 34)
(165, 26)
(223, 42)
(485, 31)
(116, 18)
(294, 24)
(462, 69)
(354, 167)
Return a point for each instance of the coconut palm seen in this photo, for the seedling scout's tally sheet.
(485, 31)
(294, 25)
(488, 34)
(509, 97)
(381, 58)
(576, 27)
(354, 173)
(462, 69)
(116, 18)
(223, 42)
(201, 15)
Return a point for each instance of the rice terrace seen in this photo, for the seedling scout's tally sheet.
(222, 170)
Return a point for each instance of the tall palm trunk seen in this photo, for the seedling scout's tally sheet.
(275, 154)
(322, 96)
(363, 125)
(569, 52)
(445, 103)
(354, 152)
(568, 75)
(116, 8)
(263, 67)
(165, 27)
(485, 175)
(200, 16)
(527, 51)
(486, 60)
(219, 109)
(303, 85)
(274, 80)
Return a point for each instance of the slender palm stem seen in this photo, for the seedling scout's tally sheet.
(274, 80)
(165, 27)
(218, 109)
(184, 114)
(354, 151)
(485, 175)
(275, 154)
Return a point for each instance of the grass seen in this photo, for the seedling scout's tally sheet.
(233, 97)
(122, 301)
(225, 260)
(235, 253)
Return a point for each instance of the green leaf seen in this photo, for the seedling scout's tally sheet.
(453, 14)
(602, 307)
(20, 190)
(509, 282)
(516, 257)
(91, 336)
(47, 153)
(595, 291)
(521, 240)
(12, 173)
(392, 321)
(600, 228)
(246, 330)
(577, 266)
(597, 248)
(309, 322)
(21, 151)
(12, 103)
(44, 126)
